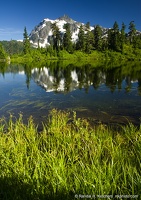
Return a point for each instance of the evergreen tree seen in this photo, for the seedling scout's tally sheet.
(80, 45)
(97, 37)
(109, 38)
(104, 43)
(26, 42)
(56, 36)
(87, 26)
(114, 37)
(137, 42)
(49, 50)
(132, 32)
(67, 43)
(123, 38)
(89, 39)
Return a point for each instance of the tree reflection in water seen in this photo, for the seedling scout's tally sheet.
(102, 93)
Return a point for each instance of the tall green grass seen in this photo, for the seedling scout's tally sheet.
(67, 158)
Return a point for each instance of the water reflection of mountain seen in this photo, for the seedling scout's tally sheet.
(59, 78)
(69, 79)
(59, 83)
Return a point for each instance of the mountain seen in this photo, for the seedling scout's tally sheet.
(42, 33)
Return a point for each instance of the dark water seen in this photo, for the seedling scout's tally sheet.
(100, 94)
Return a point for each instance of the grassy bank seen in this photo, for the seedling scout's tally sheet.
(35, 55)
(67, 158)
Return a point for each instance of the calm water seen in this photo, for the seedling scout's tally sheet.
(111, 96)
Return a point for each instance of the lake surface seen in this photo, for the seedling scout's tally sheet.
(101, 94)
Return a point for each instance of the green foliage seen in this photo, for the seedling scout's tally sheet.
(26, 42)
(132, 31)
(131, 53)
(12, 47)
(67, 157)
(89, 40)
(98, 37)
(114, 38)
(80, 45)
(56, 36)
(137, 42)
(117, 45)
(122, 36)
(3, 54)
(67, 43)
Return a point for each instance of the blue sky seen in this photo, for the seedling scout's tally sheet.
(16, 14)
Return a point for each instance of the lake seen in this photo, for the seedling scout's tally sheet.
(103, 94)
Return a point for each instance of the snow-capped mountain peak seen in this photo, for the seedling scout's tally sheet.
(42, 33)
